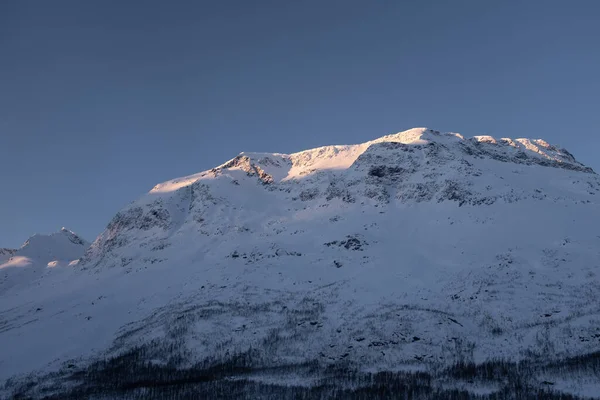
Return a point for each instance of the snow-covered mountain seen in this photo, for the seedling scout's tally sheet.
(417, 251)
(38, 256)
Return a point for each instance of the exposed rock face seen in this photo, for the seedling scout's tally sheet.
(7, 252)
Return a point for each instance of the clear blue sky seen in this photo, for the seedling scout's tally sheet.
(100, 99)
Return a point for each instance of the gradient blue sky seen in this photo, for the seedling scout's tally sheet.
(100, 100)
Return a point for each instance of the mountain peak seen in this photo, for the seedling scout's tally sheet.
(278, 167)
(60, 245)
(375, 254)
(55, 236)
(418, 136)
(518, 151)
(414, 166)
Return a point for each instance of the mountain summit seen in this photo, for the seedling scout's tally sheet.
(282, 167)
(416, 166)
(418, 251)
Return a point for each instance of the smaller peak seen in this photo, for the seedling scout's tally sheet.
(45, 239)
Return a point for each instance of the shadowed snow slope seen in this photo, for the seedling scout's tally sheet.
(414, 250)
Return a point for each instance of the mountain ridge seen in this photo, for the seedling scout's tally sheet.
(524, 149)
(415, 165)
(382, 256)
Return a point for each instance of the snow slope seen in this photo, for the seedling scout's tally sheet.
(413, 250)
(37, 257)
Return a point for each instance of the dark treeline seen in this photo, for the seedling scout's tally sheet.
(130, 376)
